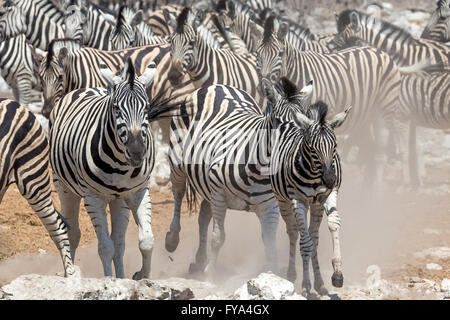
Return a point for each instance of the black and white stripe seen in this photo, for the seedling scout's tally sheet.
(24, 161)
(206, 66)
(438, 28)
(102, 150)
(398, 43)
(40, 20)
(19, 69)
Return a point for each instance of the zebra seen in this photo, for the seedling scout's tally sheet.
(158, 22)
(305, 174)
(24, 161)
(438, 28)
(204, 65)
(102, 150)
(19, 69)
(398, 43)
(89, 25)
(233, 169)
(343, 79)
(40, 20)
(425, 102)
(68, 66)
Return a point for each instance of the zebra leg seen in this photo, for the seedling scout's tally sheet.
(219, 209)
(204, 218)
(334, 225)
(41, 202)
(96, 208)
(306, 243)
(120, 215)
(286, 211)
(178, 190)
(268, 218)
(314, 225)
(401, 131)
(413, 163)
(70, 209)
(141, 207)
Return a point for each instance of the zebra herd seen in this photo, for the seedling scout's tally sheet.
(251, 104)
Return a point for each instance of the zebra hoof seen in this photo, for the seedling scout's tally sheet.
(172, 240)
(196, 268)
(337, 280)
(321, 290)
(137, 275)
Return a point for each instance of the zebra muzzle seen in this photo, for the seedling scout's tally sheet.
(329, 178)
(135, 150)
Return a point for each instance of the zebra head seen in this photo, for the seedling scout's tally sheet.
(130, 109)
(51, 71)
(12, 20)
(75, 21)
(289, 101)
(124, 34)
(270, 52)
(319, 143)
(226, 14)
(349, 28)
(182, 43)
(440, 15)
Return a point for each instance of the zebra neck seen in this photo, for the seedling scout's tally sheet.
(199, 70)
(390, 39)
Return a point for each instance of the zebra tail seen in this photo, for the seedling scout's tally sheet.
(422, 67)
(162, 108)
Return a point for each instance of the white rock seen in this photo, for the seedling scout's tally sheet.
(445, 285)
(433, 266)
(270, 286)
(37, 287)
(442, 253)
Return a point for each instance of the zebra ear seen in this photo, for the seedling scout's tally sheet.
(170, 19)
(354, 19)
(269, 91)
(38, 54)
(199, 18)
(302, 121)
(339, 119)
(107, 74)
(137, 18)
(307, 90)
(63, 52)
(256, 30)
(231, 9)
(147, 77)
(282, 31)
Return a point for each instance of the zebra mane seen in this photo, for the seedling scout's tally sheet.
(368, 20)
(70, 44)
(221, 5)
(222, 30)
(289, 89)
(130, 73)
(269, 26)
(318, 112)
(120, 19)
(182, 19)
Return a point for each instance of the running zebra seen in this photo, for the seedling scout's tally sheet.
(425, 102)
(398, 43)
(102, 150)
(205, 66)
(40, 20)
(438, 28)
(24, 161)
(234, 167)
(19, 69)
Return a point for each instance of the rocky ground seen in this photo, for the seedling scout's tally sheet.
(395, 241)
